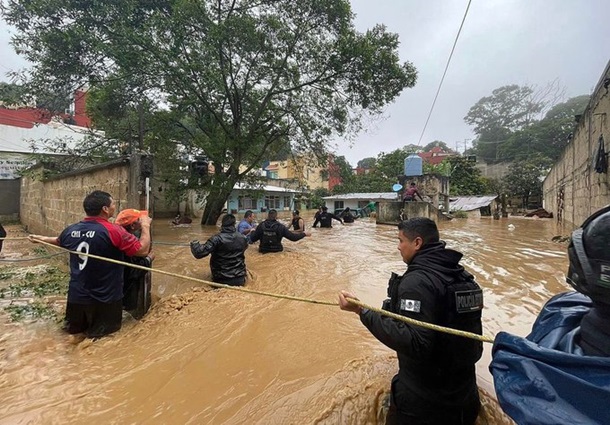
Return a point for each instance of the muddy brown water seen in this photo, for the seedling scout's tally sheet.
(225, 357)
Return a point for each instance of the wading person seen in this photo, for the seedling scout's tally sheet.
(245, 227)
(95, 291)
(436, 381)
(270, 233)
(326, 219)
(297, 223)
(2, 236)
(228, 262)
(560, 372)
(136, 282)
(347, 215)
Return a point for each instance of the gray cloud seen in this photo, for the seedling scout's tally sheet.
(503, 42)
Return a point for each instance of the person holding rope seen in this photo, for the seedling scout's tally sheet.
(436, 381)
(95, 291)
(228, 262)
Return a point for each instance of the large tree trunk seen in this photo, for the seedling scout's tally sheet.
(218, 195)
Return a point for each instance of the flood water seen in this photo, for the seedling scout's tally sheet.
(225, 357)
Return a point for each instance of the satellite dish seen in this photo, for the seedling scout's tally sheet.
(396, 187)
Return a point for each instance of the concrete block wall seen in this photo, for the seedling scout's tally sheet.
(573, 189)
(48, 206)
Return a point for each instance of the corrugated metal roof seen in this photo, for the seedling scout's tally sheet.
(469, 203)
(266, 188)
(379, 196)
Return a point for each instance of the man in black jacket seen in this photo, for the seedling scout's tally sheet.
(436, 381)
(325, 218)
(270, 232)
(228, 262)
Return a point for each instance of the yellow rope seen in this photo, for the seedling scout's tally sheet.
(21, 237)
(405, 319)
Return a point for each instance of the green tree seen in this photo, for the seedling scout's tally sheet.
(343, 170)
(435, 144)
(466, 179)
(547, 137)
(524, 178)
(367, 163)
(240, 78)
(511, 107)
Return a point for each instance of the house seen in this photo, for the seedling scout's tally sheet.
(357, 200)
(22, 129)
(474, 205)
(304, 172)
(435, 156)
(260, 199)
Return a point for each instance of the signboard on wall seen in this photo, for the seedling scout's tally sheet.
(11, 163)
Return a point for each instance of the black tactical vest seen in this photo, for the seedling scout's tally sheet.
(463, 303)
(271, 239)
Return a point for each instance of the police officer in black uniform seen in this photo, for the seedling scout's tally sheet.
(325, 218)
(436, 381)
(270, 232)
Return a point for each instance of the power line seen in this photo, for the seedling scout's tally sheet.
(444, 73)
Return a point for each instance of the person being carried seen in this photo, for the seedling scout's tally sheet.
(228, 262)
(245, 227)
(136, 282)
(347, 215)
(270, 233)
(411, 193)
(560, 372)
(325, 218)
(436, 380)
(297, 223)
(95, 291)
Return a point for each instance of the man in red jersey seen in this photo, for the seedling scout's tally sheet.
(95, 291)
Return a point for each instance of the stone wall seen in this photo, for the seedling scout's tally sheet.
(573, 189)
(48, 205)
(9, 200)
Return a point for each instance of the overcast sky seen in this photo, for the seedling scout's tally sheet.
(502, 42)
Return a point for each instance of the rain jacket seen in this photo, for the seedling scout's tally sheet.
(436, 371)
(228, 262)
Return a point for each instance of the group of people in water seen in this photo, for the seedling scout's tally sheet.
(227, 248)
(534, 376)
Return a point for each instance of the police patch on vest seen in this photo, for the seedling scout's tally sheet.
(467, 301)
(410, 305)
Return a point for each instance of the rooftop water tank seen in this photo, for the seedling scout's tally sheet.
(413, 165)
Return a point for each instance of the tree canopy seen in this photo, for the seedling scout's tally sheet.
(232, 80)
(510, 126)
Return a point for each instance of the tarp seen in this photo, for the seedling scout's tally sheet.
(544, 379)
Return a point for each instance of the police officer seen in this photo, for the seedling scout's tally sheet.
(436, 381)
(325, 218)
(270, 232)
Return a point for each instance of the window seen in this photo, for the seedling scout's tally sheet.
(273, 175)
(246, 203)
(272, 201)
(287, 201)
(339, 204)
